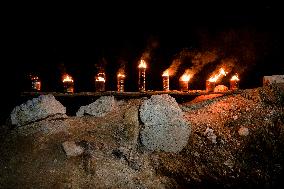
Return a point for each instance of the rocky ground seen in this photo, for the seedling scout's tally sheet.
(228, 141)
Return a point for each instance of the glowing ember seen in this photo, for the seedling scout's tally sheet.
(235, 78)
(142, 64)
(100, 79)
(166, 73)
(67, 78)
(217, 76)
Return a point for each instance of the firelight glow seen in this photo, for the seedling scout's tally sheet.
(217, 76)
(67, 78)
(142, 64)
(120, 75)
(100, 79)
(185, 77)
(166, 73)
(235, 78)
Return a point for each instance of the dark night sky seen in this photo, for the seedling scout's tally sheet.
(42, 39)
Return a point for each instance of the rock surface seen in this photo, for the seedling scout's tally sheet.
(164, 125)
(36, 109)
(220, 88)
(72, 149)
(268, 80)
(99, 108)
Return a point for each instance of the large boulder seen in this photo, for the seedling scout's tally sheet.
(159, 109)
(36, 109)
(171, 137)
(165, 128)
(99, 108)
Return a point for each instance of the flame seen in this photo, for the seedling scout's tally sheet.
(185, 77)
(166, 73)
(67, 78)
(100, 79)
(120, 75)
(217, 76)
(235, 78)
(142, 64)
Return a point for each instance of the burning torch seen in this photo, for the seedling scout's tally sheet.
(183, 82)
(166, 80)
(142, 76)
(234, 82)
(100, 82)
(68, 83)
(210, 83)
(120, 82)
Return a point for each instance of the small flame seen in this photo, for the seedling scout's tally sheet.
(235, 78)
(185, 77)
(142, 64)
(217, 76)
(166, 73)
(120, 75)
(67, 78)
(100, 79)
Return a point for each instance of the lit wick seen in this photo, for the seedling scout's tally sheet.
(120, 82)
(68, 83)
(142, 76)
(234, 82)
(100, 82)
(166, 80)
(183, 82)
(210, 83)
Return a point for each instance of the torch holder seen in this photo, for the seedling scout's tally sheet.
(234, 85)
(120, 84)
(210, 86)
(166, 83)
(183, 86)
(100, 86)
(142, 79)
(68, 87)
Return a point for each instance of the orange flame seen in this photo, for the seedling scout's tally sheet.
(120, 75)
(185, 77)
(166, 73)
(217, 76)
(142, 64)
(67, 78)
(100, 79)
(235, 78)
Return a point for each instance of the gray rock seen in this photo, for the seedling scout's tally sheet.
(165, 127)
(71, 149)
(159, 110)
(267, 80)
(243, 131)
(99, 108)
(209, 133)
(171, 137)
(36, 109)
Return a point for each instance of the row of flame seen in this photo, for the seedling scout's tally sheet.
(184, 77)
